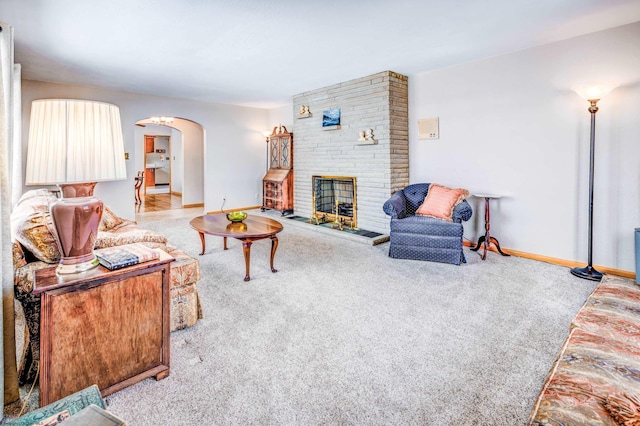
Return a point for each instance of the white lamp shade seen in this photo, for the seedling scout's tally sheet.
(594, 91)
(73, 141)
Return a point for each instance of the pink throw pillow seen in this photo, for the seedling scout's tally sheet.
(440, 202)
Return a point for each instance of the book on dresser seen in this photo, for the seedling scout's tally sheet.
(125, 255)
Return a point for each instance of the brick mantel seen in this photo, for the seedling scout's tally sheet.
(378, 102)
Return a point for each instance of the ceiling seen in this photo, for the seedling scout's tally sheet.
(261, 53)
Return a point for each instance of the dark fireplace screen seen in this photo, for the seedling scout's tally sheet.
(334, 201)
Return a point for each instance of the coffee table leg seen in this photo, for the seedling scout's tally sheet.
(202, 239)
(246, 248)
(274, 247)
(225, 242)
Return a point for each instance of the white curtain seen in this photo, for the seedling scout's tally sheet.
(8, 123)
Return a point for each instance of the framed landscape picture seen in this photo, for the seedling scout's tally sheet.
(330, 118)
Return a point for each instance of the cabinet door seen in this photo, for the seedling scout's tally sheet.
(150, 177)
(275, 152)
(148, 143)
(285, 153)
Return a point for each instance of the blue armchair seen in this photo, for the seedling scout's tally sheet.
(422, 237)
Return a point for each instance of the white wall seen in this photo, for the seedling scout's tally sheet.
(194, 181)
(281, 115)
(511, 125)
(233, 155)
(177, 161)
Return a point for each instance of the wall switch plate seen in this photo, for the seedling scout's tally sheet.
(428, 128)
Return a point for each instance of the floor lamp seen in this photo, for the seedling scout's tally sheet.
(591, 94)
(266, 134)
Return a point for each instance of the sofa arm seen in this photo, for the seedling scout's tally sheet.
(462, 212)
(395, 206)
(128, 234)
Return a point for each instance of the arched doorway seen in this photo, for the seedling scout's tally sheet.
(171, 156)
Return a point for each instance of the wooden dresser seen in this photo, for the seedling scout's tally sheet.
(277, 185)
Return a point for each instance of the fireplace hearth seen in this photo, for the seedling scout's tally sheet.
(334, 201)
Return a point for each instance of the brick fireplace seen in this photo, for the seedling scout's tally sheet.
(334, 201)
(378, 102)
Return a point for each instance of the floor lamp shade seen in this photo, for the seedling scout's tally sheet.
(75, 144)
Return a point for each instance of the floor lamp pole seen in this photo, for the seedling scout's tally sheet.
(589, 272)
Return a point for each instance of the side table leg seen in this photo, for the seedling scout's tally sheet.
(487, 241)
(274, 247)
(480, 241)
(202, 240)
(246, 248)
(494, 241)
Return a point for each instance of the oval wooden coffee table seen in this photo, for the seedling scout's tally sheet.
(251, 229)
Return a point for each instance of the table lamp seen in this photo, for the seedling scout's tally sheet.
(75, 144)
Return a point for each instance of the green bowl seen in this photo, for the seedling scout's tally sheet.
(236, 216)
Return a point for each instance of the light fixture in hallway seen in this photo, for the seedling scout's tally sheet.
(162, 120)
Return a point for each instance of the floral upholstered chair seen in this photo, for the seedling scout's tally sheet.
(426, 223)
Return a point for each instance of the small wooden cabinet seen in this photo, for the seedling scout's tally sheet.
(150, 173)
(277, 185)
(109, 328)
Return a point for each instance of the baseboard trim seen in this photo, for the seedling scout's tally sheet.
(236, 209)
(179, 194)
(188, 206)
(557, 261)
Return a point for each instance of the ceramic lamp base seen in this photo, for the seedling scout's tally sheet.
(77, 267)
(76, 220)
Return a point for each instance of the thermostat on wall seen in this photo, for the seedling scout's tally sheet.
(428, 128)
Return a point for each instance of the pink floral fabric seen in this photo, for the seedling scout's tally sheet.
(130, 233)
(185, 303)
(600, 358)
(31, 225)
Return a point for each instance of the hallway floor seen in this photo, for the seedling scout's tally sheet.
(163, 206)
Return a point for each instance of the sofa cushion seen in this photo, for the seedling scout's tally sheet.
(24, 276)
(130, 233)
(185, 303)
(184, 269)
(600, 358)
(19, 259)
(109, 220)
(612, 310)
(589, 369)
(31, 225)
(440, 202)
(625, 409)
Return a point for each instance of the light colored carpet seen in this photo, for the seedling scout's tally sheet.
(343, 334)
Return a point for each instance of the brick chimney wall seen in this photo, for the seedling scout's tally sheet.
(378, 102)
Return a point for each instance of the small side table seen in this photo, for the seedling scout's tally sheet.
(486, 239)
(105, 327)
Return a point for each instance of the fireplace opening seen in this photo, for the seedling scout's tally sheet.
(334, 201)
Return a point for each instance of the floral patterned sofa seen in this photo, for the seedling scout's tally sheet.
(596, 378)
(34, 248)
